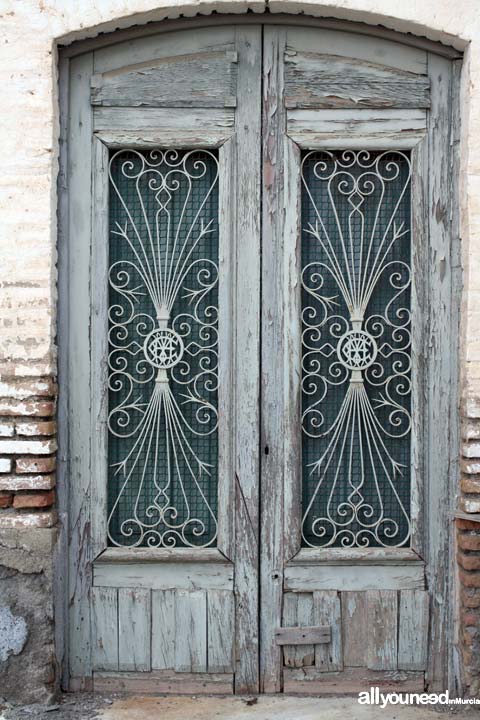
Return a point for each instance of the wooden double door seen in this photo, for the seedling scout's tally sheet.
(259, 316)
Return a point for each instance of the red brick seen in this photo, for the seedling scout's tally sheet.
(469, 542)
(469, 579)
(470, 598)
(470, 618)
(470, 484)
(469, 562)
(35, 465)
(5, 500)
(27, 408)
(467, 524)
(35, 428)
(34, 500)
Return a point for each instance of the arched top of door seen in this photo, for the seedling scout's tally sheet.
(378, 32)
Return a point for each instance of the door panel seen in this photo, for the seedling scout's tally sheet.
(236, 196)
(362, 583)
(172, 483)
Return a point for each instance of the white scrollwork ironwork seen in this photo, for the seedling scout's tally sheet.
(356, 339)
(163, 365)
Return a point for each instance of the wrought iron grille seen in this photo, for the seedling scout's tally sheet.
(356, 348)
(163, 348)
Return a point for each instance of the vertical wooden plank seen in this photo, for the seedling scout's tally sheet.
(78, 377)
(292, 353)
(226, 326)
(420, 310)
(190, 631)
(220, 626)
(354, 628)
(61, 607)
(247, 348)
(272, 431)
(440, 382)
(413, 630)
(305, 654)
(298, 612)
(327, 611)
(163, 629)
(382, 629)
(134, 630)
(99, 345)
(290, 605)
(453, 671)
(105, 628)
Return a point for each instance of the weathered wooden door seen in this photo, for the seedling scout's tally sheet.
(258, 268)
(358, 386)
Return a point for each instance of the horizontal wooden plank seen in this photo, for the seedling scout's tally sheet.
(351, 681)
(358, 121)
(302, 578)
(158, 682)
(165, 575)
(330, 81)
(303, 635)
(200, 138)
(357, 556)
(204, 79)
(358, 47)
(158, 555)
(136, 119)
(384, 141)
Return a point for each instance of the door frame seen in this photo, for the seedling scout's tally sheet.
(441, 557)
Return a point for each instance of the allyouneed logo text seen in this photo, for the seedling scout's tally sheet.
(375, 697)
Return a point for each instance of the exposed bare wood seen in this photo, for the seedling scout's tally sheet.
(226, 351)
(163, 629)
(327, 611)
(220, 630)
(292, 515)
(357, 556)
(409, 576)
(331, 81)
(247, 344)
(134, 630)
(117, 139)
(168, 576)
(190, 631)
(354, 628)
(413, 630)
(134, 120)
(205, 79)
(298, 612)
(105, 628)
(78, 380)
(309, 681)
(302, 635)
(382, 619)
(99, 346)
(164, 681)
(162, 555)
(272, 361)
(439, 383)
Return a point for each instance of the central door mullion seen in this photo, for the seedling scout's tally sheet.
(247, 355)
(272, 359)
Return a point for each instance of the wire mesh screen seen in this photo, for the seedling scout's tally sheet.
(356, 348)
(163, 348)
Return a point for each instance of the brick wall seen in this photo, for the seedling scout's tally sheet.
(27, 452)
(468, 543)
